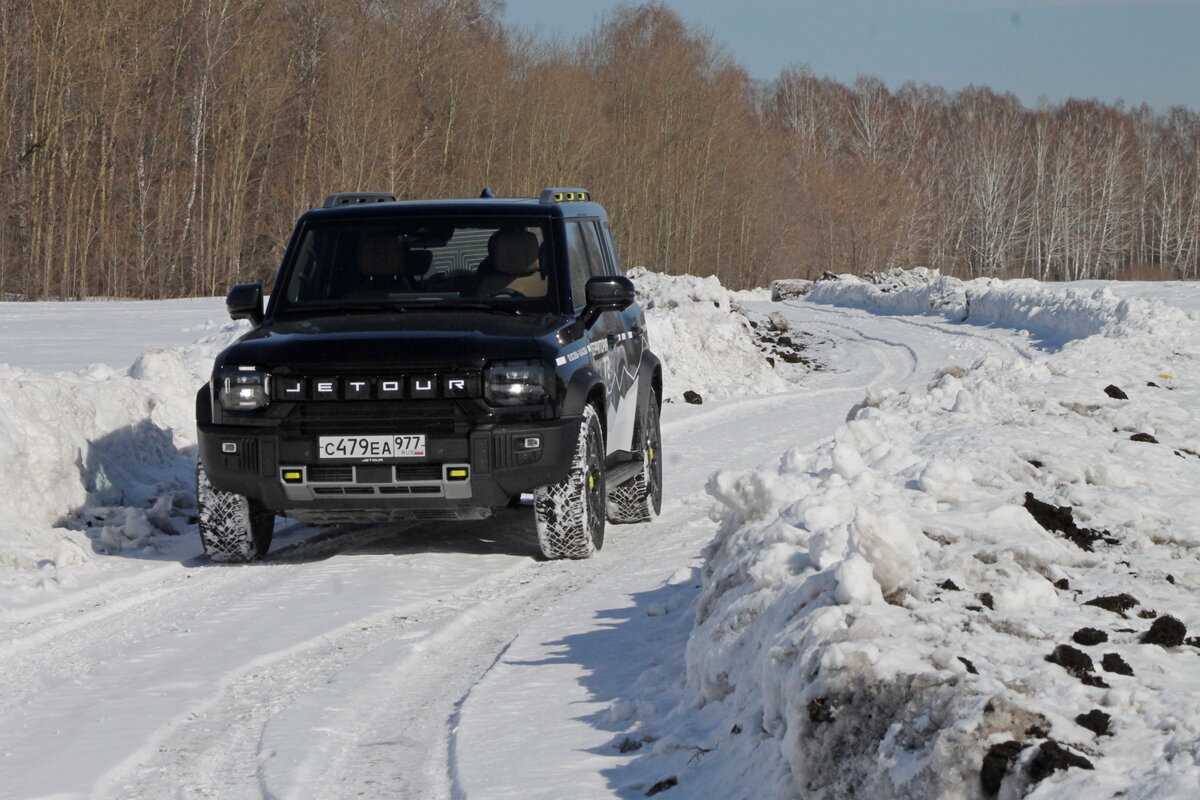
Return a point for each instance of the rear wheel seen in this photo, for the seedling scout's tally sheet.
(570, 513)
(639, 499)
(232, 527)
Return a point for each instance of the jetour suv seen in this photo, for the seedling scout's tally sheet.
(435, 360)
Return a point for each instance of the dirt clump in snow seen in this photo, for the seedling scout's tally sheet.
(1060, 520)
(1116, 603)
(1095, 721)
(1089, 636)
(1077, 663)
(1051, 757)
(1165, 632)
(996, 763)
(819, 710)
(1115, 392)
(777, 341)
(1112, 662)
(662, 786)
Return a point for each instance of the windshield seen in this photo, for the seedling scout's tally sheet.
(420, 263)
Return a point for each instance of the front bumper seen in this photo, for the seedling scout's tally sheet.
(485, 468)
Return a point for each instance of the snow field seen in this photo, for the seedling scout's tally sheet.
(877, 613)
(872, 618)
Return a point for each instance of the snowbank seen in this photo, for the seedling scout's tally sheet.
(904, 612)
(1052, 316)
(110, 455)
(700, 331)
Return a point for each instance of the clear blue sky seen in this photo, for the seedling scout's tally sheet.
(1139, 51)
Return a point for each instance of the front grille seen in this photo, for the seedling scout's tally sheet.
(369, 417)
(419, 472)
(371, 473)
(330, 474)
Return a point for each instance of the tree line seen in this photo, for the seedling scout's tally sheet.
(158, 148)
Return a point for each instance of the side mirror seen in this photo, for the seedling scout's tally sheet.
(245, 301)
(609, 293)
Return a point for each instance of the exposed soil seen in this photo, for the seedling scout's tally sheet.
(1112, 662)
(1165, 632)
(1095, 721)
(996, 764)
(662, 786)
(1050, 757)
(1089, 636)
(1077, 663)
(1060, 520)
(1115, 392)
(1116, 603)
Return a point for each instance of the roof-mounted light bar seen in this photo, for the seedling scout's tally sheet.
(565, 196)
(357, 198)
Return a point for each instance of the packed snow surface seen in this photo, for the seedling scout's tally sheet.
(870, 579)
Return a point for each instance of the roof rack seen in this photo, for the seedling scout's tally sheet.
(357, 198)
(564, 195)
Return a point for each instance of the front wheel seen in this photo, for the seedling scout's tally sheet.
(639, 499)
(570, 513)
(232, 527)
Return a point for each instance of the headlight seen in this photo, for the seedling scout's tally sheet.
(515, 383)
(243, 388)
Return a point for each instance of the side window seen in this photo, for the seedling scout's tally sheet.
(591, 238)
(577, 254)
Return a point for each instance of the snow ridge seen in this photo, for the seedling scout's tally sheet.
(700, 331)
(100, 451)
(1053, 316)
(890, 615)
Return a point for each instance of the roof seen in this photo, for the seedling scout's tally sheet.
(467, 207)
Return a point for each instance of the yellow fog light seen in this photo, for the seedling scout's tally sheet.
(457, 473)
(292, 476)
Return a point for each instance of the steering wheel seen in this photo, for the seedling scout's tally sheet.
(508, 291)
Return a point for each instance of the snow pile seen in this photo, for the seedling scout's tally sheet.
(109, 454)
(985, 588)
(701, 333)
(1051, 316)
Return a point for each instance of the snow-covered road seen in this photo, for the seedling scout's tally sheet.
(425, 661)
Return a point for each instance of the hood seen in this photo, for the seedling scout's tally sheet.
(413, 337)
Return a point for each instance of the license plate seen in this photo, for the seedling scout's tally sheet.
(393, 446)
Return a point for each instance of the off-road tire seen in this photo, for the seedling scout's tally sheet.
(570, 514)
(639, 499)
(232, 527)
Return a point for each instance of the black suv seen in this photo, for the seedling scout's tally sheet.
(435, 360)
